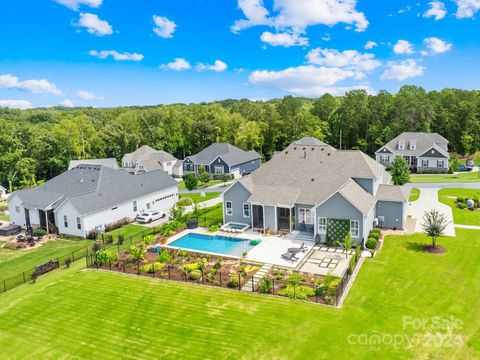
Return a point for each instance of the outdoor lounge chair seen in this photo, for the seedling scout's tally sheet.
(290, 256)
(302, 248)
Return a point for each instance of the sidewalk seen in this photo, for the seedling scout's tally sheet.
(471, 227)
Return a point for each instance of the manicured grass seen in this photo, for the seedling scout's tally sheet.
(447, 178)
(4, 217)
(414, 195)
(181, 184)
(461, 216)
(127, 231)
(198, 199)
(110, 316)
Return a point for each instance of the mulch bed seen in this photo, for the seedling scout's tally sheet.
(434, 250)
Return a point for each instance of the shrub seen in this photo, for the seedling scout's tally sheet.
(213, 228)
(461, 200)
(39, 232)
(195, 275)
(14, 245)
(374, 235)
(371, 243)
(234, 280)
(266, 286)
(218, 264)
(165, 257)
(109, 239)
(296, 279)
(186, 201)
(120, 239)
(105, 257)
(358, 253)
(96, 246)
(300, 292)
(376, 231)
(149, 239)
(190, 267)
(461, 205)
(67, 262)
(152, 268)
(92, 234)
(351, 265)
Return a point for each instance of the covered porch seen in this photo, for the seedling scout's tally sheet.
(275, 218)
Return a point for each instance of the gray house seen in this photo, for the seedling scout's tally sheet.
(315, 189)
(424, 152)
(223, 158)
(146, 159)
(108, 162)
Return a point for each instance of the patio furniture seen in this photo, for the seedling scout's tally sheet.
(290, 256)
(302, 248)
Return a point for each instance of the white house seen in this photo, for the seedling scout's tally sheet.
(146, 159)
(88, 197)
(3, 193)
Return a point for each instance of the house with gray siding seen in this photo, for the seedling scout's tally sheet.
(423, 152)
(319, 191)
(87, 197)
(146, 159)
(222, 158)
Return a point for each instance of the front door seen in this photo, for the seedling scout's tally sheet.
(43, 219)
(283, 219)
(27, 219)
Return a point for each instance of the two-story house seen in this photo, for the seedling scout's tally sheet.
(146, 159)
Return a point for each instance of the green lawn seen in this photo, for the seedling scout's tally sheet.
(198, 199)
(447, 178)
(93, 314)
(461, 216)
(414, 195)
(4, 217)
(181, 184)
(127, 231)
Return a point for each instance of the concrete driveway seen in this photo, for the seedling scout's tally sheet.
(429, 200)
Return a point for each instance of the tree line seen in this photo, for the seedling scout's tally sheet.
(37, 144)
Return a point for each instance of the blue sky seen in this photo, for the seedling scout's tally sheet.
(146, 52)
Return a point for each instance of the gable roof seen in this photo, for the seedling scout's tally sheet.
(422, 141)
(434, 148)
(232, 155)
(109, 162)
(146, 153)
(310, 140)
(394, 193)
(90, 188)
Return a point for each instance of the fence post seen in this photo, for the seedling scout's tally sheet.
(220, 279)
(168, 268)
(253, 286)
(103, 239)
(239, 282)
(73, 256)
(316, 294)
(4, 286)
(185, 275)
(118, 248)
(294, 291)
(58, 262)
(273, 286)
(203, 278)
(123, 265)
(86, 250)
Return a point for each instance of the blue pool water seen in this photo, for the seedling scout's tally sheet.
(213, 244)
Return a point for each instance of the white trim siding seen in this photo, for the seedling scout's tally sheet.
(248, 210)
(355, 229)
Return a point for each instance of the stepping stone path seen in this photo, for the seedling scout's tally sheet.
(259, 275)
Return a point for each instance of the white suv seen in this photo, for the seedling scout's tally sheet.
(149, 216)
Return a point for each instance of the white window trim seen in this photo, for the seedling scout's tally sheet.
(355, 229)
(305, 217)
(65, 221)
(219, 167)
(442, 163)
(322, 229)
(79, 223)
(424, 162)
(228, 212)
(246, 216)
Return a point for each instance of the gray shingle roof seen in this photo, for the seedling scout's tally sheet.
(232, 155)
(147, 153)
(392, 193)
(310, 140)
(90, 188)
(109, 162)
(423, 141)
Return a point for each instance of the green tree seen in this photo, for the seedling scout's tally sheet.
(137, 253)
(347, 244)
(399, 171)
(204, 177)
(191, 182)
(434, 225)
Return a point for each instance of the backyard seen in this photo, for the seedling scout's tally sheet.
(461, 216)
(125, 316)
(446, 178)
(197, 198)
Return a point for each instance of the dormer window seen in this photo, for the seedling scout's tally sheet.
(401, 144)
(413, 144)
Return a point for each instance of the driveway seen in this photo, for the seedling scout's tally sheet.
(471, 185)
(429, 200)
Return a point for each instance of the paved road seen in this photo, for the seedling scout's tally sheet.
(472, 185)
(429, 200)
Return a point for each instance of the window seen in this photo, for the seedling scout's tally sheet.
(424, 163)
(219, 169)
(246, 210)
(305, 216)
(17, 209)
(322, 225)
(65, 221)
(135, 208)
(148, 206)
(228, 208)
(440, 164)
(355, 228)
(79, 224)
(384, 158)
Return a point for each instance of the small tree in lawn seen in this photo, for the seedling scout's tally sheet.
(177, 213)
(400, 171)
(347, 244)
(191, 182)
(434, 225)
(204, 176)
(137, 254)
(225, 177)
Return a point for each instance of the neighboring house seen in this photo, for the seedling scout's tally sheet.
(223, 158)
(146, 159)
(424, 152)
(315, 189)
(109, 162)
(3, 192)
(88, 197)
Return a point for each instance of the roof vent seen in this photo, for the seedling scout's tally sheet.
(322, 149)
(313, 148)
(286, 152)
(329, 154)
(304, 148)
(295, 148)
(313, 179)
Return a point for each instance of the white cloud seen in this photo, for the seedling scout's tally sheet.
(66, 103)
(116, 55)
(75, 4)
(87, 95)
(437, 10)
(298, 15)
(9, 81)
(326, 37)
(406, 9)
(217, 66)
(94, 24)
(163, 26)
(15, 104)
(178, 64)
(285, 39)
(467, 8)
(403, 47)
(436, 46)
(349, 59)
(401, 70)
(370, 45)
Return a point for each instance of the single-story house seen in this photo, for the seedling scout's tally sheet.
(424, 152)
(88, 197)
(318, 191)
(146, 159)
(108, 162)
(223, 158)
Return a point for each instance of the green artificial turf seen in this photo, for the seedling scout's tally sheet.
(96, 314)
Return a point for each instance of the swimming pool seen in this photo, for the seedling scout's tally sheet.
(213, 244)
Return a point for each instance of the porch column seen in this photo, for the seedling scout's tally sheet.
(263, 209)
(46, 220)
(276, 217)
(251, 215)
(290, 219)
